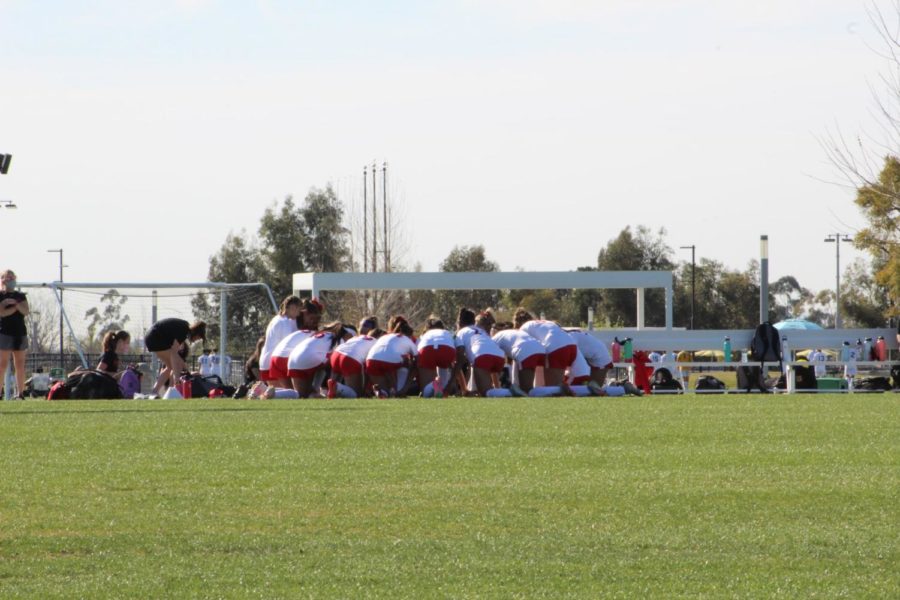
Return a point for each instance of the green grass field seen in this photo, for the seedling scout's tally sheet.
(764, 496)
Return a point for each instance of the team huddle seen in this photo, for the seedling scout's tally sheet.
(298, 358)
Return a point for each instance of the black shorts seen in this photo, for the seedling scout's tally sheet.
(13, 342)
(157, 341)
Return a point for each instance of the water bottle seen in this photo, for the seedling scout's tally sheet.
(880, 348)
(616, 350)
(867, 349)
(628, 350)
(845, 351)
(726, 349)
(438, 388)
(785, 349)
(185, 387)
(744, 357)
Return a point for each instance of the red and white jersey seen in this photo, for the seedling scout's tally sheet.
(594, 350)
(392, 347)
(476, 342)
(311, 352)
(549, 334)
(279, 328)
(579, 368)
(357, 348)
(287, 345)
(517, 345)
(436, 338)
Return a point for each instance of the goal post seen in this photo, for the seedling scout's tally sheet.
(86, 310)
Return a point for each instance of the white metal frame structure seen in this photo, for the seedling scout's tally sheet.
(315, 283)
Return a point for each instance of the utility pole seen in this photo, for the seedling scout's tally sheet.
(374, 220)
(763, 278)
(837, 238)
(365, 222)
(384, 201)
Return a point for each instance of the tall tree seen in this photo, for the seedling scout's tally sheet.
(465, 259)
(641, 250)
(283, 239)
(248, 310)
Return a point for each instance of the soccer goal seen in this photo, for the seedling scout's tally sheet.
(69, 319)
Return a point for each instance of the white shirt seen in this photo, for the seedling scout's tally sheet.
(549, 334)
(818, 358)
(436, 338)
(594, 350)
(205, 365)
(278, 329)
(357, 348)
(392, 347)
(517, 345)
(476, 342)
(311, 352)
(287, 345)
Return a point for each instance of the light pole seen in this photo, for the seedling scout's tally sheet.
(62, 356)
(763, 278)
(693, 250)
(837, 238)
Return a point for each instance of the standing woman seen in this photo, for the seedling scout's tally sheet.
(13, 335)
(168, 339)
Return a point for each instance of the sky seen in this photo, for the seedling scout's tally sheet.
(142, 133)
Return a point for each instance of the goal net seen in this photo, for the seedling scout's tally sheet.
(68, 321)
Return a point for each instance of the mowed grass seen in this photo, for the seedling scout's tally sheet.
(766, 496)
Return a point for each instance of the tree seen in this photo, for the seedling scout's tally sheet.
(728, 299)
(638, 251)
(465, 259)
(105, 318)
(282, 234)
(862, 298)
(870, 162)
(235, 262)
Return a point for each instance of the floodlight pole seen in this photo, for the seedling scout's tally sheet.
(837, 238)
(763, 278)
(693, 249)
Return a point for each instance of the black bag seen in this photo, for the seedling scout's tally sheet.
(805, 378)
(749, 378)
(663, 380)
(202, 386)
(879, 384)
(710, 384)
(92, 385)
(895, 376)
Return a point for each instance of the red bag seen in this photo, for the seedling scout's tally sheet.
(58, 391)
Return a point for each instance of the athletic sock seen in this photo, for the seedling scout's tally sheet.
(499, 393)
(286, 393)
(545, 391)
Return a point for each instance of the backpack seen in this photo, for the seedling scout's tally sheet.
(92, 385)
(708, 384)
(130, 383)
(663, 380)
(766, 344)
(202, 386)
